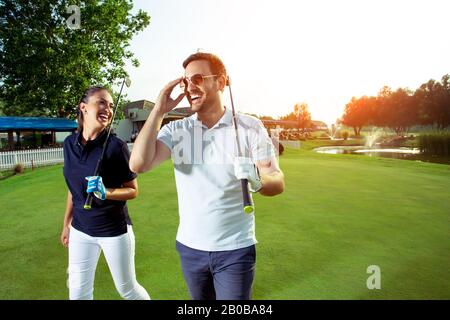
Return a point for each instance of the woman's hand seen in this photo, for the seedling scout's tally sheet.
(96, 186)
(65, 236)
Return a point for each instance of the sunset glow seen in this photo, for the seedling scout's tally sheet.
(279, 53)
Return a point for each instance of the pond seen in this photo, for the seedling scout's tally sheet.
(397, 153)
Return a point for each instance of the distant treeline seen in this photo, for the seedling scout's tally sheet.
(403, 108)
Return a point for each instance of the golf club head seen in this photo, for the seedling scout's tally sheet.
(128, 82)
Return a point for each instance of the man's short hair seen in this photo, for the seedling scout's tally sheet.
(216, 65)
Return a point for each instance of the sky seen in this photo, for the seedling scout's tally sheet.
(279, 53)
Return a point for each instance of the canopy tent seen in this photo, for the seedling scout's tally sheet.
(36, 123)
(32, 132)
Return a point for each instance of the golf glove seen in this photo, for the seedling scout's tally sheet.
(96, 186)
(244, 168)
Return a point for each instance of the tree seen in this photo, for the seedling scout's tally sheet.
(403, 108)
(2, 106)
(45, 65)
(444, 101)
(289, 117)
(433, 99)
(396, 110)
(120, 112)
(358, 113)
(381, 107)
(303, 116)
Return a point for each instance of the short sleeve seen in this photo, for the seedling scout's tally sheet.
(165, 135)
(68, 141)
(261, 144)
(122, 167)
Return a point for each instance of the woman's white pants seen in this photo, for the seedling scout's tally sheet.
(84, 252)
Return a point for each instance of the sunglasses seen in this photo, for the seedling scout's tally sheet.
(197, 80)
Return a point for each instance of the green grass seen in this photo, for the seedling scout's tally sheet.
(338, 215)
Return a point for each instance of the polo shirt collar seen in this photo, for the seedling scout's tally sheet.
(98, 140)
(225, 120)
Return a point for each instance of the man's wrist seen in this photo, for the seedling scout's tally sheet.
(158, 112)
(257, 190)
(256, 186)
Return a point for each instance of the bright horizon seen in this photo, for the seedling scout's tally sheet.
(284, 52)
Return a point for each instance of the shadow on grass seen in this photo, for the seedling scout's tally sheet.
(6, 174)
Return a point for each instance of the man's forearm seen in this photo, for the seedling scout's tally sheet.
(272, 183)
(145, 145)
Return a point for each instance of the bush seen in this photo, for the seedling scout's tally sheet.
(280, 149)
(19, 168)
(437, 144)
(345, 135)
(276, 143)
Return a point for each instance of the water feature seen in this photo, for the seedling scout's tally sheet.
(372, 137)
(373, 147)
(397, 153)
(333, 128)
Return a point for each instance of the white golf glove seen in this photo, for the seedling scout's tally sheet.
(244, 168)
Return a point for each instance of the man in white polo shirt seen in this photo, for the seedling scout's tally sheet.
(216, 238)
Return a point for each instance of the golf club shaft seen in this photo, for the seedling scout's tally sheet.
(88, 202)
(247, 200)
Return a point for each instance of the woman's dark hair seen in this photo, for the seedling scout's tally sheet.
(85, 98)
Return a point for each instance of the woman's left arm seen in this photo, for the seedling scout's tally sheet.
(127, 192)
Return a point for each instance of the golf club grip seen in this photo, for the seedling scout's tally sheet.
(88, 202)
(248, 205)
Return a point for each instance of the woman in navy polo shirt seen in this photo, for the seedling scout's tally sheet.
(107, 225)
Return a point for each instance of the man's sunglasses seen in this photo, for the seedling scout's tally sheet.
(197, 80)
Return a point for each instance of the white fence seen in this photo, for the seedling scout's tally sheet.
(295, 144)
(34, 157)
(29, 158)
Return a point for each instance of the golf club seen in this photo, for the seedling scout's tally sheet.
(88, 203)
(248, 204)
